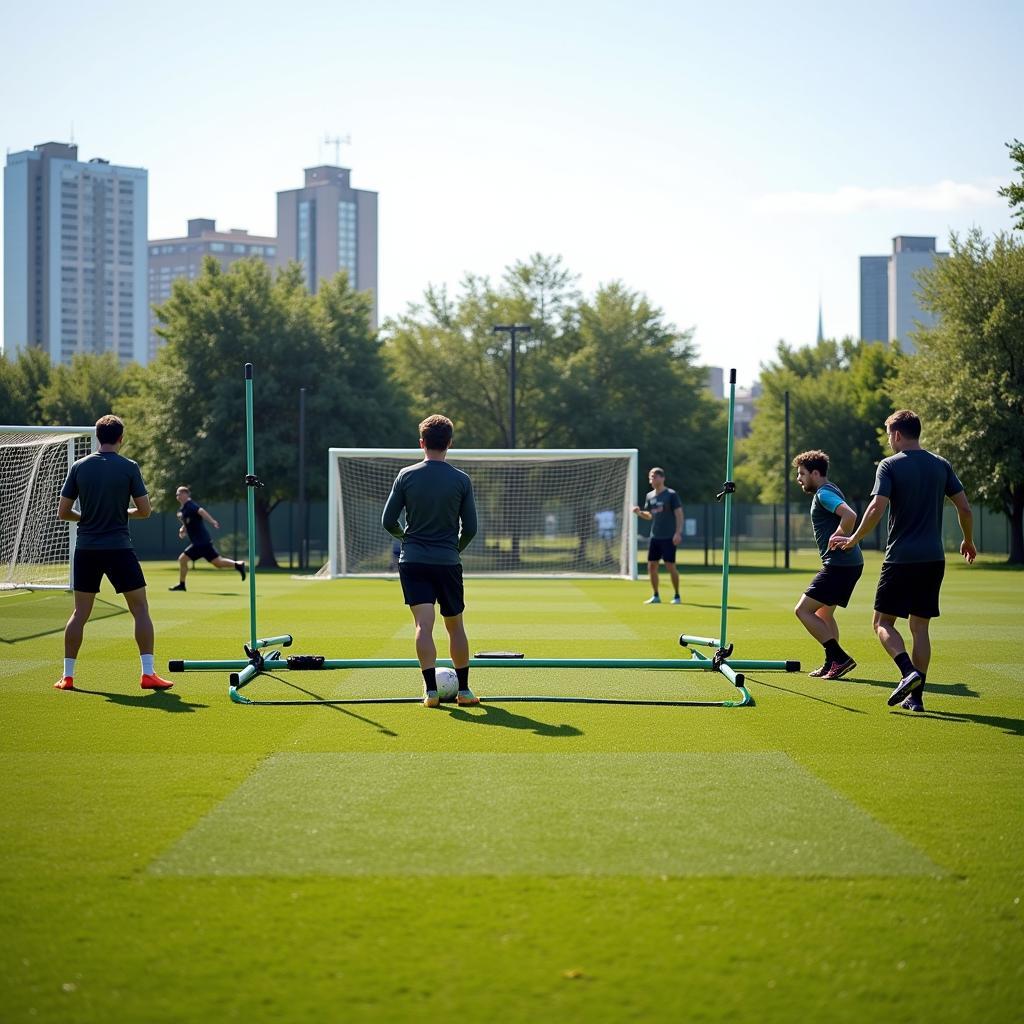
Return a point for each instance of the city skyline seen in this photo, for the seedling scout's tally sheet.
(733, 166)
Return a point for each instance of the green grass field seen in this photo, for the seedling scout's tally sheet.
(175, 857)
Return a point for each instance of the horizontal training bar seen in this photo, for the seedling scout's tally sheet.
(691, 664)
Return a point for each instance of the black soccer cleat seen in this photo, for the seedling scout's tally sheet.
(180, 586)
(240, 566)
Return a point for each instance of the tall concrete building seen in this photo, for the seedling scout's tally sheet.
(173, 258)
(329, 226)
(74, 255)
(897, 292)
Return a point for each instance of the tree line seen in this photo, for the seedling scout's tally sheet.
(605, 370)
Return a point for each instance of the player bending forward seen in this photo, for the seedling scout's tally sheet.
(440, 517)
(840, 569)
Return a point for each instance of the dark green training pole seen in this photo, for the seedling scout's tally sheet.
(727, 492)
(250, 484)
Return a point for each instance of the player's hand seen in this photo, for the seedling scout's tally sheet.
(215, 524)
(839, 541)
(969, 551)
(677, 538)
(636, 510)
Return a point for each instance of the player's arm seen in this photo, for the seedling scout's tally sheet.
(847, 518)
(642, 512)
(66, 510)
(966, 519)
(871, 518)
(679, 526)
(206, 515)
(392, 510)
(142, 509)
(467, 517)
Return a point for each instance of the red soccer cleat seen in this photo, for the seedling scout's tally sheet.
(64, 683)
(154, 682)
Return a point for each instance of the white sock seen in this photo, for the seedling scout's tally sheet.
(147, 664)
(69, 667)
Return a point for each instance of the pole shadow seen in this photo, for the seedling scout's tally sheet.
(807, 696)
(327, 703)
(493, 715)
(158, 700)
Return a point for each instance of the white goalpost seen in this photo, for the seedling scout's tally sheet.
(542, 512)
(36, 548)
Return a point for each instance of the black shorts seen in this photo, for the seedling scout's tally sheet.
(119, 565)
(910, 588)
(197, 551)
(425, 583)
(661, 548)
(834, 584)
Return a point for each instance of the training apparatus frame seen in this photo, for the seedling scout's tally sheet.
(242, 672)
(72, 433)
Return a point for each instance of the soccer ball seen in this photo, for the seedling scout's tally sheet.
(447, 683)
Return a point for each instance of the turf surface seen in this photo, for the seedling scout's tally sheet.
(175, 857)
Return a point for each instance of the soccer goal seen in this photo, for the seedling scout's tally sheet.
(542, 512)
(36, 548)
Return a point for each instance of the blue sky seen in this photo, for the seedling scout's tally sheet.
(731, 162)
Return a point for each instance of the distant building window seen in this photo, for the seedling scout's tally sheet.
(217, 247)
(236, 248)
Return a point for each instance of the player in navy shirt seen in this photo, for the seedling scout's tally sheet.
(665, 511)
(193, 524)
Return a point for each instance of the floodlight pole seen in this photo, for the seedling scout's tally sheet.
(785, 483)
(513, 330)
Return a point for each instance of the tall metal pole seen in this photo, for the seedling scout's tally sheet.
(250, 484)
(303, 539)
(785, 485)
(727, 492)
(513, 331)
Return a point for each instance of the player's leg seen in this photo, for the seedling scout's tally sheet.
(923, 608)
(832, 586)
(673, 572)
(652, 573)
(896, 588)
(229, 563)
(452, 604)
(183, 563)
(74, 631)
(426, 651)
(125, 573)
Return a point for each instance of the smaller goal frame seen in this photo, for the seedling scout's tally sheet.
(336, 567)
(76, 431)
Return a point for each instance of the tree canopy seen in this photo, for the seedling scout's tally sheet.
(967, 379)
(1014, 192)
(839, 395)
(191, 409)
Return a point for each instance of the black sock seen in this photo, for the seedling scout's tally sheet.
(463, 674)
(430, 678)
(833, 652)
(918, 691)
(904, 664)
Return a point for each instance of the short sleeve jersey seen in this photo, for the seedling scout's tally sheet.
(194, 523)
(825, 521)
(104, 483)
(916, 483)
(662, 507)
(440, 512)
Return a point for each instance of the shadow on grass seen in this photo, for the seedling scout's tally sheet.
(158, 700)
(949, 689)
(806, 696)
(1010, 726)
(43, 613)
(325, 702)
(493, 715)
(717, 607)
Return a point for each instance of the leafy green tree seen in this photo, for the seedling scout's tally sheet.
(1015, 190)
(22, 383)
(446, 355)
(192, 407)
(839, 395)
(967, 379)
(92, 386)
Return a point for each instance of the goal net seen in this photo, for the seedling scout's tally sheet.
(35, 546)
(543, 512)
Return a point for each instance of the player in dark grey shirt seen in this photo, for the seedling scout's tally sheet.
(110, 491)
(440, 521)
(913, 484)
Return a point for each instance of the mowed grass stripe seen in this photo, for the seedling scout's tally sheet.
(721, 814)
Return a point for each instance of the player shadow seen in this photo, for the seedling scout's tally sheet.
(325, 702)
(1010, 726)
(493, 715)
(949, 689)
(157, 700)
(101, 610)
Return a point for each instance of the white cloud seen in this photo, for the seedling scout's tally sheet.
(943, 195)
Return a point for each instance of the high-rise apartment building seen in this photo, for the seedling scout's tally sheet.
(173, 258)
(74, 255)
(890, 283)
(329, 226)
